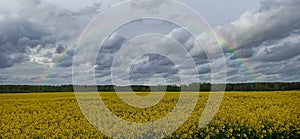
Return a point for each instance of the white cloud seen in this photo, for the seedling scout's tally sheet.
(274, 20)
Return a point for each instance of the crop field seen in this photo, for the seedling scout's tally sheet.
(241, 115)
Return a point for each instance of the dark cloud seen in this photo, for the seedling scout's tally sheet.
(180, 34)
(204, 70)
(268, 5)
(243, 53)
(281, 50)
(19, 31)
(266, 39)
(60, 49)
(65, 60)
(113, 43)
(5, 61)
(281, 54)
(155, 64)
(18, 35)
(41, 25)
(107, 53)
(277, 70)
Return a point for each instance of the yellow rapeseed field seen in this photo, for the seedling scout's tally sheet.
(241, 115)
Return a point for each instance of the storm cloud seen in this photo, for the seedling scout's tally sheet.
(264, 45)
(39, 24)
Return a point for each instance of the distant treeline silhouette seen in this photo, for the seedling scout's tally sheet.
(278, 86)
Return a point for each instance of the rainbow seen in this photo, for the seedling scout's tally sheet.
(225, 43)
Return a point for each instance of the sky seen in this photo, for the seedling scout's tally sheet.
(259, 39)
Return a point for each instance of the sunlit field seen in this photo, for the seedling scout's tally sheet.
(241, 115)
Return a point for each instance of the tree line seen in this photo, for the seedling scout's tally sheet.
(278, 86)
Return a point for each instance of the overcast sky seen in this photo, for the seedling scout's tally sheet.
(35, 37)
